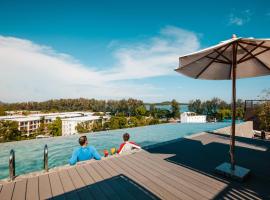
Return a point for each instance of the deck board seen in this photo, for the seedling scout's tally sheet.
(69, 188)
(19, 190)
(164, 182)
(192, 187)
(198, 177)
(144, 178)
(32, 192)
(135, 192)
(187, 187)
(114, 183)
(93, 189)
(56, 185)
(186, 175)
(79, 184)
(7, 191)
(106, 188)
(44, 187)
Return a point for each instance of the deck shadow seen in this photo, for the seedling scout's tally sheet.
(117, 187)
(205, 152)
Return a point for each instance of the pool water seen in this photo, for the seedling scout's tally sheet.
(29, 154)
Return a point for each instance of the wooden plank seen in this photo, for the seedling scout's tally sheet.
(79, 184)
(108, 191)
(108, 169)
(210, 182)
(142, 179)
(113, 181)
(20, 190)
(133, 176)
(128, 184)
(69, 188)
(7, 191)
(162, 180)
(32, 192)
(44, 187)
(56, 185)
(185, 185)
(77, 181)
(185, 175)
(93, 188)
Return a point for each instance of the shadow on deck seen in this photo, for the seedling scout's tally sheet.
(203, 153)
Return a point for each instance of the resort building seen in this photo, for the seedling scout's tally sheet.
(192, 117)
(69, 124)
(31, 123)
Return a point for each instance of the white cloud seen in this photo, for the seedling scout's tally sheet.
(30, 71)
(240, 18)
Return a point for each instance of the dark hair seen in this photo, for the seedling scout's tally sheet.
(82, 140)
(126, 137)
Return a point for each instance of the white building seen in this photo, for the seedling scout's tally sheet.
(69, 124)
(192, 117)
(31, 123)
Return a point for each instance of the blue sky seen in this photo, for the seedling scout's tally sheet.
(119, 49)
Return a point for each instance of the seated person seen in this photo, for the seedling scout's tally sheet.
(84, 152)
(127, 146)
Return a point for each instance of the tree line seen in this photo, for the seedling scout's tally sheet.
(216, 108)
(124, 114)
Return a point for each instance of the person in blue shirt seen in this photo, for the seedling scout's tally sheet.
(84, 152)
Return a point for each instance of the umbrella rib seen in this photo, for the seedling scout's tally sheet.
(256, 47)
(266, 47)
(256, 54)
(229, 61)
(206, 67)
(218, 60)
(261, 62)
(202, 57)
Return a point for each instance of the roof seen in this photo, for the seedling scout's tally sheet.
(81, 119)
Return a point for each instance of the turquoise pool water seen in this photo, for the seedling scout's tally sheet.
(29, 154)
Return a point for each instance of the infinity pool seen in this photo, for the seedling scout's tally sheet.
(29, 154)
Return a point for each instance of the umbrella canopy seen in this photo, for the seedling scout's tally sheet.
(229, 60)
(215, 63)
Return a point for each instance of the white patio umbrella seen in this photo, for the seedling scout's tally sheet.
(229, 60)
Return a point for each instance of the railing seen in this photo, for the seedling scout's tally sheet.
(45, 159)
(12, 172)
(12, 165)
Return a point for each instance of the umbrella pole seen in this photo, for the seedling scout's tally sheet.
(232, 142)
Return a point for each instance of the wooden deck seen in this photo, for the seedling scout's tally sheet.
(160, 174)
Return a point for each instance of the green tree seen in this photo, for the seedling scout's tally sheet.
(133, 122)
(153, 121)
(9, 131)
(195, 106)
(140, 111)
(97, 126)
(175, 109)
(81, 127)
(224, 114)
(55, 128)
(42, 127)
(264, 116)
(118, 122)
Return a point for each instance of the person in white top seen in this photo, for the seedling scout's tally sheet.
(127, 146)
